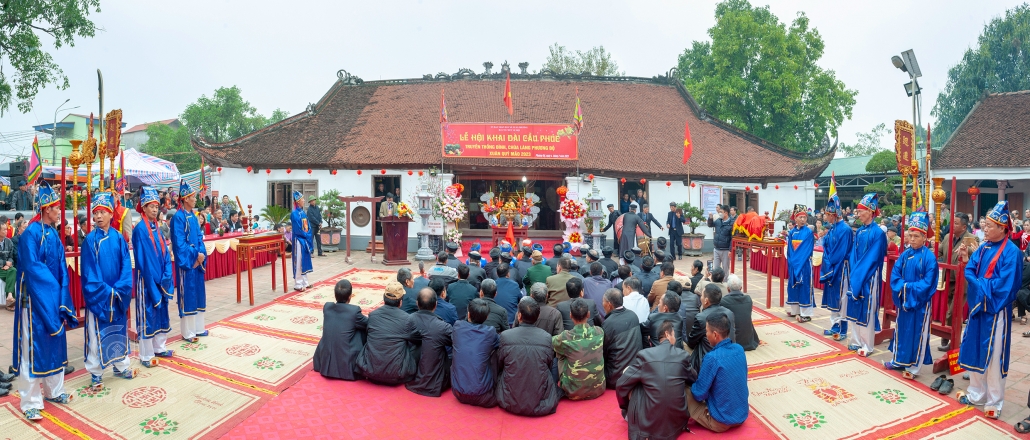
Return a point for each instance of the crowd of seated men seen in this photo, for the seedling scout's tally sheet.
(671, 354)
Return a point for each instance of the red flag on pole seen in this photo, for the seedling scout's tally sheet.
(443, 109)
(688, 147)
(507, 95)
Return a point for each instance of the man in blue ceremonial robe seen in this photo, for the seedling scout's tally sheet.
(43, 309)
(994, 274)
(866, 277)
(153, 279)
(800, 243)
(190, 262)
(301, 243)
(834, 271)
(107, 289)
(913, 284)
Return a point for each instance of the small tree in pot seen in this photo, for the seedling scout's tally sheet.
(693, 241)
(333, 216)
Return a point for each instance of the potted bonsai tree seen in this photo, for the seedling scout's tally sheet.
(692, 241)
(333, 216)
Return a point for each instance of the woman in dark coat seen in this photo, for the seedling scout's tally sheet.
(343, 336)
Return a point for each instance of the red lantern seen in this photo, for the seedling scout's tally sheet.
(268, 171)
(359, 172)
(795, 187)
(623, 180)
(382, 171)
(562, 191)
(643, 181)
(668, 183)
(693, 185)
(333, 172)
(591, 177)
(410, 172)
(747, 188)
(289, 170)
(249, 169)
(219, 169)
(309, 170)
(816, 185)
(777, 187)
(973, 192)
(420, 173)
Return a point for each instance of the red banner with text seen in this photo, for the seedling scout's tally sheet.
(510, 141)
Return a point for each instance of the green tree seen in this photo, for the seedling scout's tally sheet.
(868, 143)
(223, 117)
(999, 62)
(597, 61)
(882, 162)
(172, 145)
(22, 23)
(761, 76)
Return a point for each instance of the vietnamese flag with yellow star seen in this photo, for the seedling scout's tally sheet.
(507, 95)
(688, 147)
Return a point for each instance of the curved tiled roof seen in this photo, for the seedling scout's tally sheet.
(633, 127)
(995, 134)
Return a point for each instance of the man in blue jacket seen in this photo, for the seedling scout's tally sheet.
(474, 367)
(718, 400)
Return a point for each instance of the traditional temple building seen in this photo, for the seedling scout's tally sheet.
(362, 133)
(989, 151)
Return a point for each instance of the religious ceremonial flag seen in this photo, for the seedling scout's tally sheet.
(443, 109)
(577, 117)
(35, 164)
(509, 236)
(507, 95)
(833, 184)
(688, 147)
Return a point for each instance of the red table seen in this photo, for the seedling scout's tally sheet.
(269, 244)
(774, 249)
(221, 264)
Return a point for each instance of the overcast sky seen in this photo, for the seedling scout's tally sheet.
(158, 57)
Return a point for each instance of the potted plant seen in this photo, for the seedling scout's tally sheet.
(692, 242)
(276, 215)
(333, 216)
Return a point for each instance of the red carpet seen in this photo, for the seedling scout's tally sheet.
(320, 408)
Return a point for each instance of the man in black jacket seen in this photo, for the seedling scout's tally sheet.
(690, 306)
(647, 276)
(476, 273)
(498, 318)
(610, 266)
(613, 215)
(550, 318)
(697, 340)
(527, 386)
(668, 310)
(343, 336)
(722, 236)
(434, 367)
(651, 390)
(495, 260)
(391, 354)
(696, 275)
(315, 222)
(622, 339)
(460, 292)
(740, 304)
(647, 218)
(558, 250)
(521, 267)
(575, 288)
(675, 221)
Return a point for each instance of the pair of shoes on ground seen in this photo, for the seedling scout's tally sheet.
(153, 362)
(943, 385)
(804, 319)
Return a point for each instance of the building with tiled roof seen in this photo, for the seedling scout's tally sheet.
(990, 149)
(361, 133)
(136, 135)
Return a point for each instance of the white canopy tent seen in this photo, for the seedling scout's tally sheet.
(139, 168)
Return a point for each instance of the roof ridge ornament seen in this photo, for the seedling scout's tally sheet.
(523, 66)
(487, 65)
(345, 77)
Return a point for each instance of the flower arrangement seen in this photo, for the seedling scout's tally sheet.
(404, 210)
(454, 235)
(452, 208)
(575, 237)
(573, 209)
(562, 191)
